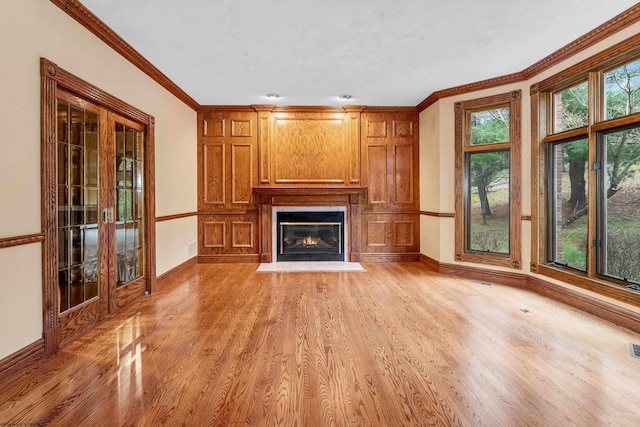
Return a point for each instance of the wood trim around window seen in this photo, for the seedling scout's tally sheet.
(513, 100)
(52, 78)
(542, 135)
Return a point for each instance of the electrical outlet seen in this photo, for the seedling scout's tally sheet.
(191, 249)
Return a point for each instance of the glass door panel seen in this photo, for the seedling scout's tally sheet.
(129, 172)
(78, 195)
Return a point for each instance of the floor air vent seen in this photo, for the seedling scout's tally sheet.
(481, 283)
(635, 349)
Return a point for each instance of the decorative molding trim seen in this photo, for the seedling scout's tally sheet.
(602, 309)
(23, 360)
(614, 25)
(438, 214)
(478, 273)
(8, 242)
(431, 263)
(307, 109)
(394, 109)
(176, 216)
(389, 257)
(209, 259)
(232, 108)
(259, 108)
(171, 275)
(389, 212)
(622, 51)
(92, 93)
(226, 213)
(91, 22)
(428, 101)
(470, 87)
(49, 209)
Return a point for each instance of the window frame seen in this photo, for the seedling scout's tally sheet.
(592, 70)
(463, 147)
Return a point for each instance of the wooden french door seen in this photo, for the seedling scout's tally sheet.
(100, 212)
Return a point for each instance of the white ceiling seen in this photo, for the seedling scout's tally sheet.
(383, 52)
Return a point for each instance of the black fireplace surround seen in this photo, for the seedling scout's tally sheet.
(310, 236)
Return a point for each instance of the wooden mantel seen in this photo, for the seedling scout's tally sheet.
(347, 196)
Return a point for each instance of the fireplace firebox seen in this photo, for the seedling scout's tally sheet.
(310, 236)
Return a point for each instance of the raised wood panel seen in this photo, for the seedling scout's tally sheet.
(376, 128)
(242, 234)
(390, 161)
(213, 127)
(263, 147)
(214, 173)
(403, 233)
(213, 234)
(354, 168)
(241, 128)
(403, 163)
(376, 233)
(391, 233)
(377, 173)
(241, 173)
(403, 128)
(311, 150)
(228, 234)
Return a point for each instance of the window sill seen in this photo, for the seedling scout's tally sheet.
(490, 259)
(598, 286)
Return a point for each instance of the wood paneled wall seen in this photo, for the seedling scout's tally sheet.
(240, 148)
(309, 148)
(390, 216)
(227, 172)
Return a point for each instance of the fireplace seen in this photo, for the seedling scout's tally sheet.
(272, 200)
(310, 236)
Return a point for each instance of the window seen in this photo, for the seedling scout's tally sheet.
(618, 197)
(568, 231)
(588, 220)
(487, 180)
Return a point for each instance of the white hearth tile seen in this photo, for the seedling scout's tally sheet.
(311, 266)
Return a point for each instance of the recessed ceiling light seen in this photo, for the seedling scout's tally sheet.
(345, 97)
(273, 96)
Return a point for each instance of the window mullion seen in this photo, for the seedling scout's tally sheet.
(592, 203)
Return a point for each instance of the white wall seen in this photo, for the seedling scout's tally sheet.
(429, 181)
(30, 29)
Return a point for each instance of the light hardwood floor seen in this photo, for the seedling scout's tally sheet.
(396, 345)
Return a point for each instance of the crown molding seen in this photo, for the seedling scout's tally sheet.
(602, 32)
(390, 108)
(87, 19)
(91, 22)
(228, 108)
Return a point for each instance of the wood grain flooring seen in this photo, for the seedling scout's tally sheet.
(396, 345)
